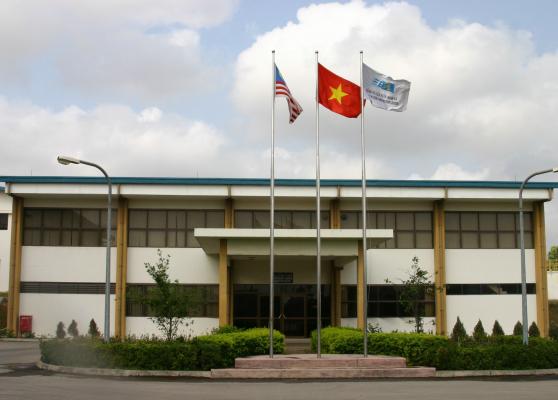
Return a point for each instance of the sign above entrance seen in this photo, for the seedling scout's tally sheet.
(283, 277)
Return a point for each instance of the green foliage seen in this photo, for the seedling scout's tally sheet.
(416, 288)
(534, 330)
(93, 329)
(374, 327)
(73, 329)
(167, 301)
(200, 353)
(6, 333)
(479, 335)
(60, 331)
(459, 334)
(497, 329)
(553, 254)
(553, 331)
(502, 352)
(227, 329)
(518, 329)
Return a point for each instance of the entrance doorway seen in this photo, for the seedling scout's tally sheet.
(295, 307)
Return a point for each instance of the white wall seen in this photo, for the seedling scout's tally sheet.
(488, 308)
(188, 265)
(5, 238)
(48, 309)
(552, 285)
(141, 326)
(393, 324)
(488, 265)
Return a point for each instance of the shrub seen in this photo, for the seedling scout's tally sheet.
(518, 329)
(458, 334)
(60, 331)
(93, 330)
(553, 331)
(201, 353)
(226, 329)
(478, 333)
(497, 329)
(72, 329)
(534, 330)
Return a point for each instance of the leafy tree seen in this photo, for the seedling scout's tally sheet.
(497, 329)
(553, 257)
(73, 329)
(60, 331)
(478, 333)
(518, 329)
(168, 303)
(416, 288)
(93, 329)
(534, 330)
(458, 334)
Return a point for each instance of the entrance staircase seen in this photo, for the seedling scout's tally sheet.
(329, 366)
(298, 346)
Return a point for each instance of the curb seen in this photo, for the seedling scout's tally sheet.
(19, 340)
(208, 374)
(497, 373)
(122, 372)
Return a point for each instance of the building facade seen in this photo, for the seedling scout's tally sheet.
(216, 231)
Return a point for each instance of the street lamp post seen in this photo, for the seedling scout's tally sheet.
(64, 160)
(522, 243)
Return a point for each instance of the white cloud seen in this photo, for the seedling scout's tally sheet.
(121, 49)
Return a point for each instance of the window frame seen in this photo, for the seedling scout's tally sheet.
(325, 214)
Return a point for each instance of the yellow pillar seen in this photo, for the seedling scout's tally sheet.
(361, 285)
(335, 295)
(121, 268)
(229, 213)
(224, 308)
(334, 214)
(15, 265)
(539, 238)
(440, 267)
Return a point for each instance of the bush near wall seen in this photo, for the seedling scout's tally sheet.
(199, 354)
(503, 352)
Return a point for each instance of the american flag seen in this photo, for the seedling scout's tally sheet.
(282, 90)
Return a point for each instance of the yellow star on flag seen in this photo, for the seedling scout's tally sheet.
(337, 94)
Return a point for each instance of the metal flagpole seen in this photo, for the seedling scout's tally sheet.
(364, 252)
(318, 220)
(272, 209)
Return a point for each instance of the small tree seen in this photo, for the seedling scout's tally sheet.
(415, 289)
(93, 329)
(497, 329)
(478, 333)
(458, 334)
(168, 303)
(73, 329)
(534, 330)
(60, 331)
(518, 329)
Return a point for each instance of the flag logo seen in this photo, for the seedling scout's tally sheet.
(387, 86)
(282, 90)
(338, 94)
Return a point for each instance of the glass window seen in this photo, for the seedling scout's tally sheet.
(176, 219)
(283, 219)
(506, 222)
(137, 238)
(452, 221)
(349, 220)
(138, 219)
(157, 219)
(243, 219)
(506, 240)
(423, 221)
(487, 222)
(261, 219)
(405, 221)
(489, 240)
(3, 222)
(424, 240)
(196, 219)
(453, 240)
(469, 221)
(32, 218)
(405, 240)
(470, 240)
(51, 237)
(215, 219)
(90, 238)
(90, 219)
(302, 219)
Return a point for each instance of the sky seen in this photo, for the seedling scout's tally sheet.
(183, 87)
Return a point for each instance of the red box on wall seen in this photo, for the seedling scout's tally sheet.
(25, 323)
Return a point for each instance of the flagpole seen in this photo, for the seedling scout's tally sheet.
(318, 220)
(364, 244)
(272, 208)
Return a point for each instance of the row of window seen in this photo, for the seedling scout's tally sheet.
(175, 228)
(67, 227)
(488, 288)
(204, 300)
(66, 287)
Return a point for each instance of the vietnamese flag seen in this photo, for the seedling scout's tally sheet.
(338, 94)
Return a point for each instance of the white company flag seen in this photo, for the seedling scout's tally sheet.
(383, 91)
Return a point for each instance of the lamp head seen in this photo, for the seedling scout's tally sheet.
(65, 160)
(555, 169)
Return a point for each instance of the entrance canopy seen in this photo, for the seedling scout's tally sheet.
(336, 243)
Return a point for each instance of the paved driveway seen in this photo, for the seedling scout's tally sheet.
(16, 352)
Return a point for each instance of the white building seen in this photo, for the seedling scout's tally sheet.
(216, 232)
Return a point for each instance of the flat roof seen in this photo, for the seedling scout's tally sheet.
(278, 182)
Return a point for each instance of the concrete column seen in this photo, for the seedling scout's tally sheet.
(539, 239)
(224, 294)
(335, 295)
(229, 213)
(361, 287)
(121, 268)
(15, 265)
(439, 233)
(334, 214)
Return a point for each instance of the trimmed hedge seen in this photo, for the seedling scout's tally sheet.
(502, 352)
(199, 354)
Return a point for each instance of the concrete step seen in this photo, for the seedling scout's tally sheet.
(322, 373)
(327, 361)
(297, 346)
